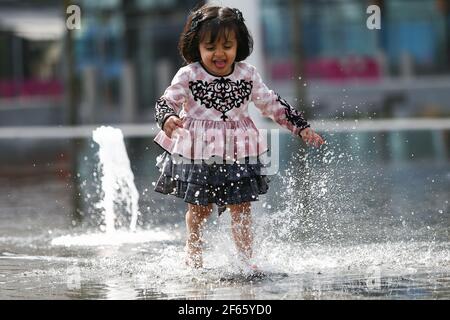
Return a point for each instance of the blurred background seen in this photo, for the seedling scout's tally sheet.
(125, 54)
(320, 55)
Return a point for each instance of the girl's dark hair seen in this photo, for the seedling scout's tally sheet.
(214, 21)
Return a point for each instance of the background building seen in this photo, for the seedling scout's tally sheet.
(319, 54)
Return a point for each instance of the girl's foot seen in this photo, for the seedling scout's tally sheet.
(193, 257)
(194, 262)
(253, 268)
(255, 273)
(247, 266)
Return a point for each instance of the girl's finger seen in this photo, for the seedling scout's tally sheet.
(179, 123)
(319, 140)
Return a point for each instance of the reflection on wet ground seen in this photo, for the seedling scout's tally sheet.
(69, 278)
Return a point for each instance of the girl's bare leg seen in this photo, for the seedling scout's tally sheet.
(241, 227)
(195, 218)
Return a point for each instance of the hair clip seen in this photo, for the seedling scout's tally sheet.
(196, 19)
(238, 14)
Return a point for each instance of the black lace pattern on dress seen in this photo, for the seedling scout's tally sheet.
(163, 111)
(221, 94)
(293, 116)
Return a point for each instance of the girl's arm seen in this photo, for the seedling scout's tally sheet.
(173, 98)
(276, 108)
(279, 110)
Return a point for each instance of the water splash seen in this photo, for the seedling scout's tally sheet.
(120, 195)
(316, 200)
(115, 239)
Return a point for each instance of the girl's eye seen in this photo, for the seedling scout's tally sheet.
(210, 48)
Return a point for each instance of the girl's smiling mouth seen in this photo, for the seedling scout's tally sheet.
(220, 64)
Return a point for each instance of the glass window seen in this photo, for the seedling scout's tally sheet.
(333, 31)
(415, 28)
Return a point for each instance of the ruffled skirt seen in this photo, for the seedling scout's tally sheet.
(199, 182)
(203, 139)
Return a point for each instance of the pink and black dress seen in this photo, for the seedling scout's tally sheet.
(215, 157)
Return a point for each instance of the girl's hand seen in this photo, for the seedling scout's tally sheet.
(172, 123)
(310, 137)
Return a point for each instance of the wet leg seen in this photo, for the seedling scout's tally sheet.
(196, 216)
(241, 227)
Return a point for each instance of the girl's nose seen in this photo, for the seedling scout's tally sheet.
(219, 53)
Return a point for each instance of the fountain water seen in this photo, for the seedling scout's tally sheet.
(118, 198)
(117, 179)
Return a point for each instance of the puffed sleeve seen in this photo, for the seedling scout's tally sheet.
(170, 103)
(271, 105)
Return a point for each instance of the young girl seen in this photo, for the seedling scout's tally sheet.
(209, 97)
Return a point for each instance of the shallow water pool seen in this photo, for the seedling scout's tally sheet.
(360, 219)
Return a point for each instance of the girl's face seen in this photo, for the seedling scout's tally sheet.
(218, 57)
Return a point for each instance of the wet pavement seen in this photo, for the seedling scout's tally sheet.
(352, 228)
